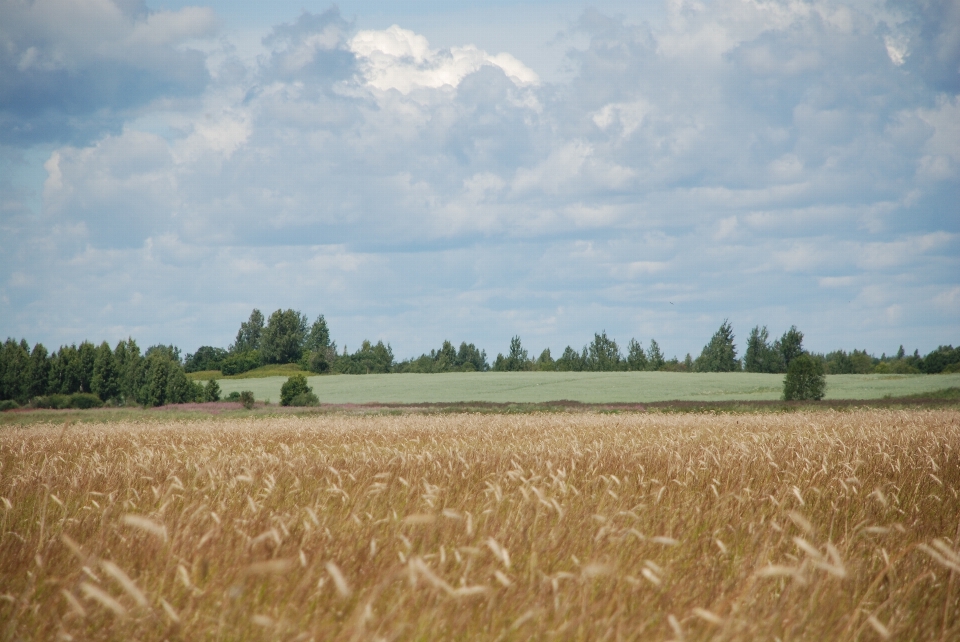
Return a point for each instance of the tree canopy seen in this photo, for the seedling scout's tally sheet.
(720, 355)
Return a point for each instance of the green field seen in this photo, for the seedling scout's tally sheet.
(586, 387)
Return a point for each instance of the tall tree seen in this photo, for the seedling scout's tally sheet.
(472, 359)
(571, 360)
(603, 355)
(791, 346)
(284, 337)
(250, 334)
(86, 356)
(38, 372)
(517, 359)
(761, 356)
(655, 358)
(545, 361)
(636, 358)
(14, 364)
(105, 382)
(319, 337)
(129, 368)
(720, 355)
(68, 370)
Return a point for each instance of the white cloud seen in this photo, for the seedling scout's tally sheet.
(400, 59)
(722, 159)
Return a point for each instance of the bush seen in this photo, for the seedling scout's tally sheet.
(294, 387)
(53, 402)
(805, 379)
(305, 399)
(233, 396)
(246, 398)
(8, 404)
(211, 391)
(84, 401)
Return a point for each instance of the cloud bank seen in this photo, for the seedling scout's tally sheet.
(772, 162)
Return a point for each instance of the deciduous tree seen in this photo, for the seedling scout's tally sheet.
(805, 379)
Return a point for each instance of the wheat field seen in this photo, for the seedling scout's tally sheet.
(805, 526)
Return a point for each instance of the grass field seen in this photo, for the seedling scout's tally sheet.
(587, 387)
(804, 526)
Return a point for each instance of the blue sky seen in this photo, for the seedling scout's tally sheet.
(421, 171)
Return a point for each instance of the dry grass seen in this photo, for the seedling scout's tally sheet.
(812, 526)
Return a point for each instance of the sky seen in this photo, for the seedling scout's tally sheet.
(419, 171)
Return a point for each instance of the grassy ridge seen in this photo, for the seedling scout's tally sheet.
(585, 387)
(273, 370)
(812, 526)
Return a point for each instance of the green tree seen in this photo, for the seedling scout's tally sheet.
(571, 360)
(517, 360)
(940, 359)
(129, 362)
(105, 382)
(250, 334)
(211, 391)
(319, 337)
(284, 337)
(720, 355)
(790, 345)
(69, 370)
(545, 362)
(319, 352)
(805, 379)
(369, 359)
(38, 372)
(445, 359)
(295, 389)
(636, 358)
(603, 355)
(86, 357)
(163, 380)
(14, 365)
(761, 356)
(239, 362)
(472, 359)
(205, 358)
(655, 358)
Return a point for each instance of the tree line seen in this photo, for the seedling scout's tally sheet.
(88, 374)
(286, 337)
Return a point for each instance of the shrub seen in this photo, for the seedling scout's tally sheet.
(8, 404)
(84, 401)
(246, 398)
(294, 387)
(305, 399)
(53, 402)
(233, 396)
(211, 391)
(805, 379)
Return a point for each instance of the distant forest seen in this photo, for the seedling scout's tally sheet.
(87, 375)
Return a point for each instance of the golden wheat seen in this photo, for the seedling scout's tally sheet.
(818, 525)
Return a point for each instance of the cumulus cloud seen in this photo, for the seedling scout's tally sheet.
(69, 70)
(773, 162)
(400, 59)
